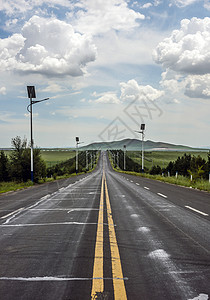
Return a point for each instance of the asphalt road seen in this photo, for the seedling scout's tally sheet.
(105, 235)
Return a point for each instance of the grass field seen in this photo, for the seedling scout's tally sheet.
(53, 157)
(161, 158)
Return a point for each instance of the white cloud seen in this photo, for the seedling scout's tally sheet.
(187, 49)
(207, 4)
(49, 47)
(197, 86)
(186, 57)
(109, 97)
(183, 3)
(2, 90)
(98, 16)
(11, 7)
(53, 88)
(132, 91)
(147, 5)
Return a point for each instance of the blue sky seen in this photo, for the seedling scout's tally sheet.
(107, 67)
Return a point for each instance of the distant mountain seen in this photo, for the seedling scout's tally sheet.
(135, 145)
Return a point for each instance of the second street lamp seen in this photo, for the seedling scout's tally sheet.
(32, 95)
(142, 128)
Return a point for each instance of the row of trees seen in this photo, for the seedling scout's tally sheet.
(17, 167)
(186, 165)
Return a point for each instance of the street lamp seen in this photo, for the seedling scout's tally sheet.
(142, 128)
(77, 144)
(86, 159)
(32, 95)
(124, 157)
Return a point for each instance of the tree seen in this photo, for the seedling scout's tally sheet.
(4, 167)
(21, 161)
(156, 170)
(17, 158)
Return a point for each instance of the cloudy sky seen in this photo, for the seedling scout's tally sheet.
(107, 66)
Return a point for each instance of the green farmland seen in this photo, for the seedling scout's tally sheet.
(52, 157)
(161, 158)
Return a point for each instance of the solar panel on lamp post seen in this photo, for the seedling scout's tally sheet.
(32, 95)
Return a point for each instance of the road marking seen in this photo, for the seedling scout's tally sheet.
(98, 282)
(164, 196)
(119, 286)
(131, 180)
(52, 278)
(47, 224)
(198, 211)
(146, 188)
(12, 213)
(137, 183)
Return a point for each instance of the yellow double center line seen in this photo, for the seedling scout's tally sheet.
(117, 274)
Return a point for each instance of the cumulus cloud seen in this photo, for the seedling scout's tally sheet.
(197, 86)
(129, 91)
(133, 91)
(186, 57)
(109, 97)
(2, 90)
(98, 16)
(187, 49)
(47, 46)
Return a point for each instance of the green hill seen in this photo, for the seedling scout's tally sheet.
(135, 145)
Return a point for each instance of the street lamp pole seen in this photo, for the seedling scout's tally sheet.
(32, 95)
(77, 143)
(124, 157)
(142, 128)
(86, 160)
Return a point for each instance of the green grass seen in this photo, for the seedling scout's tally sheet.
(13, 186)
(161, 158)
(200, 184)
(52, 157)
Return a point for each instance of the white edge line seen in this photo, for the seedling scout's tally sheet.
(196, 210)
(12, 213)
(164, 196)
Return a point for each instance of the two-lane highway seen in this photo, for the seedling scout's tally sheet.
(105, 236)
